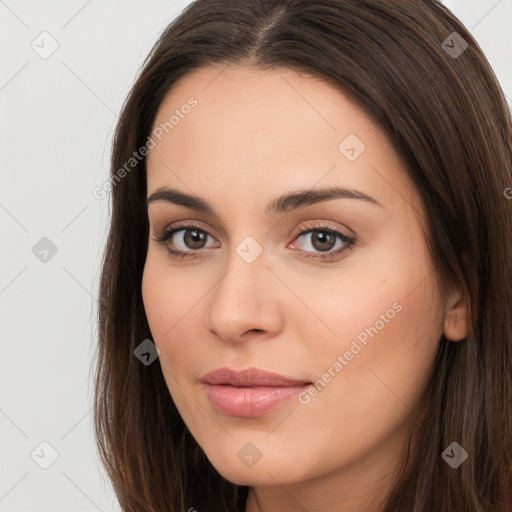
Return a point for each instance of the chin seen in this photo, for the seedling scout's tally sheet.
(263, 473)
(251, 477)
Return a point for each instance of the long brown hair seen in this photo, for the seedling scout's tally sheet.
(443, 109)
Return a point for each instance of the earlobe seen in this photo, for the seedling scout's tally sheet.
(456, 318)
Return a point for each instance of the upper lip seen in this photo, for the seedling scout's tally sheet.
(249, 377)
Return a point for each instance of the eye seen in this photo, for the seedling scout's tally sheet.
(324, 239)
(190, 240)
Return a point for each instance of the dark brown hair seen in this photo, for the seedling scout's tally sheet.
(448, 119)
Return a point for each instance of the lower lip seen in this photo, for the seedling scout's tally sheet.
(250, 402)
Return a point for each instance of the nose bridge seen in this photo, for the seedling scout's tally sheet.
(241, 300)
(242, 283)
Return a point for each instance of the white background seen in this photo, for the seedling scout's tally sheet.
(56, 123)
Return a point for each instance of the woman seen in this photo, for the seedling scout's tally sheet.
(305, 295)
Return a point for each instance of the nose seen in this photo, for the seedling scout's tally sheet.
(245, 302)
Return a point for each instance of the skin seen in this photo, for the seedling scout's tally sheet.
(254, 135)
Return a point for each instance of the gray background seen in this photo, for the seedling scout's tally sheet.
(57, 118)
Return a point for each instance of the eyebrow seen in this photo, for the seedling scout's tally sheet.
(282, 204)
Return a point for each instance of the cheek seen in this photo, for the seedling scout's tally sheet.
(383, 299)
(159, 302)
(173, 305)
(384, 366)
(166, 302)
(387, 318)
(168, 295)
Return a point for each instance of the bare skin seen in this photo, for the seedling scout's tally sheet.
(253, 136)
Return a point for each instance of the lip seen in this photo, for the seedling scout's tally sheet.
(249, 392)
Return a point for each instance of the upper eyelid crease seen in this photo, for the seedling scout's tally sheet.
(283, 204)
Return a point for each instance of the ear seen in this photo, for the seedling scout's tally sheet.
(456, 317)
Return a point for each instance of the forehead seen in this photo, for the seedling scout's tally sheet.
(252, 132)
(271, 107)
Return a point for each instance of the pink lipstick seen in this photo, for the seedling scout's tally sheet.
(249, 392)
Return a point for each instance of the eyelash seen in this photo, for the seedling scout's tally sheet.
(349, 242)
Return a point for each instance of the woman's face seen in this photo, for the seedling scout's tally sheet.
(277, 285)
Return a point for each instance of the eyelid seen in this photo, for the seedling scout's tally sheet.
(189, 224)
(197, 224)
(318, 224)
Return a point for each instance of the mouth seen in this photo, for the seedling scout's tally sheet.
(250, 392)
